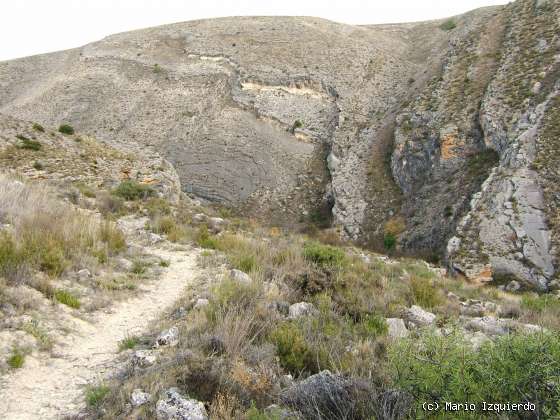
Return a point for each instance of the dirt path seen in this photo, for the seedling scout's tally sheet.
(50, 388)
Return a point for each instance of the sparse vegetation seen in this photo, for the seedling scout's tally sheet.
(129, 342)
(28, 144)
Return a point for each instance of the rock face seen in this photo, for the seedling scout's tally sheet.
(445, 139)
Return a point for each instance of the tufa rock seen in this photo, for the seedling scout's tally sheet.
(139, 397)
(240, 277)
(301, 309)
(143, 358)
(168, 337)
(176, 407)
(417, 317)
(397, 328)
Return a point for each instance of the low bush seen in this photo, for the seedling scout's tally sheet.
(448, 25)
(204, 239)
(516, 368)
(28, 144)
(129, 342)
(96, 394)
(38, 127)
(67, 298)
(133, 190)
(66, 129)
(323, 255)
(425, 292)
(16, 359)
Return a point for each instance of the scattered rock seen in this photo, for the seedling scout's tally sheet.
(139, 397)
(301, 309)
(169, 337)
(143, 358)
(124, 264)
(240, 277)
(176, 407)
(84, 274)
(201, 303)
(416, 317)
(199, 218)
(397, 328)
(488, 325)
(323, 395)
(477, 339)
(154, 238)
(179, 313)
(216, 224)
(513, 286)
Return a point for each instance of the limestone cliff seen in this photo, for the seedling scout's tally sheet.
(442, 133)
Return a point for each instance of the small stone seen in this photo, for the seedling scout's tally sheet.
(139, 397)
(513, 286)
(154, 238)
(143, 358)
(216, 224)
(240, 277)
(84, 274)
(169, 337)
(176, 407)
(488, 325)
(199, 218)
(418, 317)
(201, 303)
(301, 309)
(124, 264)
(396, 328)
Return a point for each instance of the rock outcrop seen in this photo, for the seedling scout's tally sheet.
(444, 137)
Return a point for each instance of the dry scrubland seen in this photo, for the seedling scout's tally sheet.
(246, 345)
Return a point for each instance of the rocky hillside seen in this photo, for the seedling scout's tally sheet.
(434, 138)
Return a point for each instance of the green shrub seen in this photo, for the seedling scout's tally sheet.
(292, 349)
(96, 394)
(139, 267)
(539, 304)
(29, 144)
(52, 260)
(112, 237)
(205, 240)
(246, 263)
(38, 127)
(323, 255)
(67, 298)
(16, 359)
(66, 129)
(389, 241)
(448, 25)
(515, 368)
(425, 293)
(11, 258)
(133, 190)
(165, 225)
(374, 325)
(129, 342)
